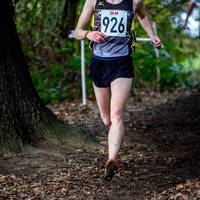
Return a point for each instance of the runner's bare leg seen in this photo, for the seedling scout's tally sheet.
(103, 96)
(120, 89)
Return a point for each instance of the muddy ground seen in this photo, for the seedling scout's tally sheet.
(160, 158)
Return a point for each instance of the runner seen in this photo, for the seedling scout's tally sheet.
(192, 5)
(111, 68)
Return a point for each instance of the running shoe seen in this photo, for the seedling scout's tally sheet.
(111, 168)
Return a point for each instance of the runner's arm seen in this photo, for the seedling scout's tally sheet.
(84, 18)
(146, 23)
(80, 33)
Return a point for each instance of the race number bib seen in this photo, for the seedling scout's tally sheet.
(114, 22)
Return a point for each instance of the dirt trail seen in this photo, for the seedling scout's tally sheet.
(159, 160)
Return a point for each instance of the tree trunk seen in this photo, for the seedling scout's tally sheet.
(24, 119)
(69, 17)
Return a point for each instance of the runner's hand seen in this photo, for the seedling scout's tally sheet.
(96, 36)
(156, 42)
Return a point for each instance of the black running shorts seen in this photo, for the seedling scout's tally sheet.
(103, 72)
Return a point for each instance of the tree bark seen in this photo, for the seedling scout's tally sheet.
(24, 119)
(69, 17)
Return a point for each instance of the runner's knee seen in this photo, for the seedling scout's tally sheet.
(106, 120)
(116, 114)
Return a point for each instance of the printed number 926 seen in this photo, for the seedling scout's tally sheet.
(114, 25)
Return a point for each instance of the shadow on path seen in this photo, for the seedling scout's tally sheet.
(163, 148)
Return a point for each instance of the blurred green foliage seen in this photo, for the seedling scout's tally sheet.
(55, 61)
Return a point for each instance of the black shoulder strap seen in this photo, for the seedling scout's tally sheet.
(130, 4)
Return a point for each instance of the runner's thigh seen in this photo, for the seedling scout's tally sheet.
(120, 89)
(103, 96)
